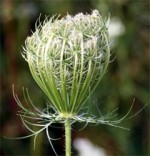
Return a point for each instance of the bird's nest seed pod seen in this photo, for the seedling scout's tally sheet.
(67, 58)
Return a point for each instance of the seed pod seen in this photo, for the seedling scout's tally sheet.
(67, 58)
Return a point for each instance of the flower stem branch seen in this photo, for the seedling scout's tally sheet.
(68, 137)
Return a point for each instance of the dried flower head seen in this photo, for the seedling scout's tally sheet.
(67, 58)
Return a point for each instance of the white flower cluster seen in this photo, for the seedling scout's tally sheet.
(67, 57)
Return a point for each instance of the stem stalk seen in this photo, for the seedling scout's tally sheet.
(68, 137)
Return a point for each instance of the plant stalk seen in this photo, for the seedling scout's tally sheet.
(68, 137)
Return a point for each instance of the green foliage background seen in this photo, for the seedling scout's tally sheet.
(127, 77)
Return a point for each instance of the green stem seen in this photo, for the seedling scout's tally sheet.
(68, 137)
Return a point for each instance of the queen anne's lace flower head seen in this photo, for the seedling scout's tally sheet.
(67, 58)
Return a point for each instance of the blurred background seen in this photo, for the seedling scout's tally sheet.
(127, 78)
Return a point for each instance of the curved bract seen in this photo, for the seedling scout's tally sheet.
(67, 58)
